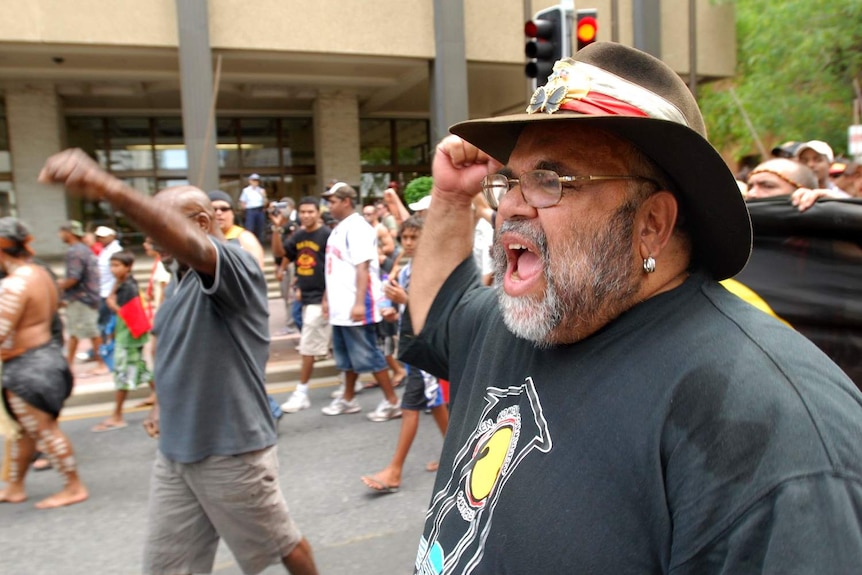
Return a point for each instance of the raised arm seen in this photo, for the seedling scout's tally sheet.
(447, 237)
(171, 228)
(396, 206)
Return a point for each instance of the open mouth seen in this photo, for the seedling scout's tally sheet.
(525, 267)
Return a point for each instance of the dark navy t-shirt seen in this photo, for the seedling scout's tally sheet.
(693, 434)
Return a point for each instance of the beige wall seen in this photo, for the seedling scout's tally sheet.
(398, 28)
(34, 116)
(336, 138)
(121, 22)
(378, 27)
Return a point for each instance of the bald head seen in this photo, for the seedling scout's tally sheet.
(187, 199)
(779, 177)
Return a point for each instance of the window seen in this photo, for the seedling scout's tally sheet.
(390, 150)
(149, 154)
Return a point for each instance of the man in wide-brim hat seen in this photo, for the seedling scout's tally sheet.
(614, 408)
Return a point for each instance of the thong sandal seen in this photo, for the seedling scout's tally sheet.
(378, 486)
(108, 426)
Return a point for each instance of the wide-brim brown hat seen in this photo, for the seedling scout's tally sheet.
(639, 98)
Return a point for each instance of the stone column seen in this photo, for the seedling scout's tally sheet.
(34, 116)
(336, 138)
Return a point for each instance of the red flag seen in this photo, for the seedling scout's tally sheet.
(132, 310)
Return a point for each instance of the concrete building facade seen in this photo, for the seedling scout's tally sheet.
(303, 91)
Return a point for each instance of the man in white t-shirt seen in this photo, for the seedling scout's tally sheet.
(253, 201)
(108, 238)
(352, 299)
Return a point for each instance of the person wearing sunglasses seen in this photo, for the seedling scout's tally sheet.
(226, 218)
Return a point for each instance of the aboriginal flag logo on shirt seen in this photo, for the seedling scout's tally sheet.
(511, 428)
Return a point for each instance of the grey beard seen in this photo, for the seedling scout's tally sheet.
(592, 279)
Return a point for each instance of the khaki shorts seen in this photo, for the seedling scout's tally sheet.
(316, 332)
(235, 497)
(82, 321)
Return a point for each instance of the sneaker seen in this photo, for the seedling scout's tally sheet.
(341, 407)
(385, 411)
(297, 402)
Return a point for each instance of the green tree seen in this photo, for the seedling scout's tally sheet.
(796, 62)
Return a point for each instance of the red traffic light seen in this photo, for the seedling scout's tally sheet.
(543, 29)
(587, 29)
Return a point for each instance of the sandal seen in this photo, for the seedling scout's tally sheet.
(378, 486)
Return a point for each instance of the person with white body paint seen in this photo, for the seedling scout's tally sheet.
(36, 376)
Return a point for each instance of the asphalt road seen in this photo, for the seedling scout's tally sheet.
(322, 458)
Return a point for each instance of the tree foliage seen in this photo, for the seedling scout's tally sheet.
(796, 61)
(417, 189)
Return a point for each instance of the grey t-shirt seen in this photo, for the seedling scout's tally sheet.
(693, 435)
(213, 344)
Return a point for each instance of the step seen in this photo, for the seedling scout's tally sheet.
(276, 375)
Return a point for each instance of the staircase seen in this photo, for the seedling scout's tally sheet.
(143, 266)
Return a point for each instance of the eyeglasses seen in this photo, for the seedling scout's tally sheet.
(222, 208)
(540, 188)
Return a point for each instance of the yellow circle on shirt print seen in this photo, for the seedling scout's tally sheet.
(489, 462)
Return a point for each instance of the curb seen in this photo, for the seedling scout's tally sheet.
(277, 374)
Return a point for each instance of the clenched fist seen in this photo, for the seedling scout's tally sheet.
(81, 176)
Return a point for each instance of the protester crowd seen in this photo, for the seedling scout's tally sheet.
(806, 171)
(346, 269)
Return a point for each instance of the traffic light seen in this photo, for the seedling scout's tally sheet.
(546, 43)
(587, 27)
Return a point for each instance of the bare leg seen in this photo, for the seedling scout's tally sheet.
(42, 429)
(71, 348)
(441, 416)
(116, 420)
(118, 407)
(390, 476)
(300, 561)
(306, 368)
(102, 368)
(20, 453)
(350, 378)
(398, 371)
(382, 378)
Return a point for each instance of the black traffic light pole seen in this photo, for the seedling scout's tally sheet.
(550, 39)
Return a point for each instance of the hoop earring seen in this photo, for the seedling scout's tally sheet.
(649, 264)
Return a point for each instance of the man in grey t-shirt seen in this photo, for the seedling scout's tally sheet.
(216, 434)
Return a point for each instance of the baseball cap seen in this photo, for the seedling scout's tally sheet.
(220, 196)
(786, 150)
(254, 177)
(104, 231)
(74, 227)
(340, 190)
(842, 166)
(421, 204)
(818, 146)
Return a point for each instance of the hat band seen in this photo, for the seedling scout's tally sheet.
(604, 92)
(597, 104)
